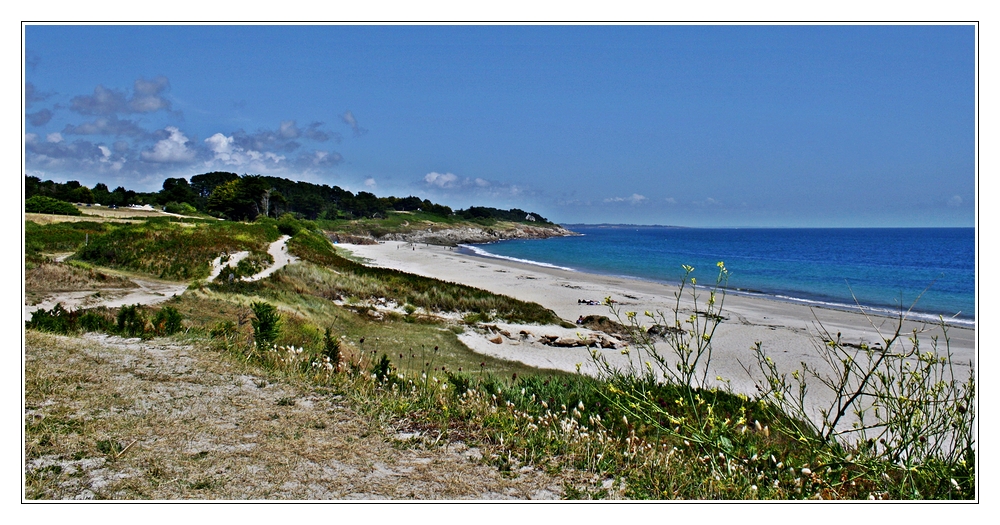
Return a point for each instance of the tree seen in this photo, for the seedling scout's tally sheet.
(176, 190)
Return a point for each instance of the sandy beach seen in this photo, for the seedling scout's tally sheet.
(789, 332)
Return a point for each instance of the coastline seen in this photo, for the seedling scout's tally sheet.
(788, 332)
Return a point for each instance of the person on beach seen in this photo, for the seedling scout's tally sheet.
(579, 320)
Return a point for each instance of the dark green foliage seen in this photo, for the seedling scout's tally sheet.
(57, 320)
(382, 368)
(289, 225)
(182, 208)
(266, 322)
(131, 322)
(167, 321)
(42, 204)
(512, 215)
(177, 191)
(331, 348)
(61, 321)
(96, 320)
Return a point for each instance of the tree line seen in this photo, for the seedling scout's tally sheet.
(234, 197)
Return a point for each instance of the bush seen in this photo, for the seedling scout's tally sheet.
(131, 322)
(57, 320)
(266, 322)
(42, 204)
(167, 321)
(181, 208)
(96, 320)
(331, 348)
(289, 225)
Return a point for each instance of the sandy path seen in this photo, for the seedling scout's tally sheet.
(148, 292)
(278, 250)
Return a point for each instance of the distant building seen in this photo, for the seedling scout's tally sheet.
(530, 217)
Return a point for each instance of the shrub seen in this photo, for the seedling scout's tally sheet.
(289, 225)
(167, 321)
(96, 320)
(131, 322)
(266, 322)
(331, 348)
(181, 208)
(57, 320)
(43, 204)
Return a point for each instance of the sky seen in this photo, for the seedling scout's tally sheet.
(687, 125)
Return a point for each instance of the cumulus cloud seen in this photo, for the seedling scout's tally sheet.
(955, 201)
(671, 200)
(32, 94)
(370, 183)
(54, 138)
(635, 198)
(39, 118)
(172, 149)
(319, 159)
(441, 180)
(107, 126)
(312, 132)
(146, 98)
(349, 119)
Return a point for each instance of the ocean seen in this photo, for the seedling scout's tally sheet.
(885, 268)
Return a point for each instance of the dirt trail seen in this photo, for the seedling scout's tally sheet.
(278, 250)
(147, 292)
(107, 417)
(151, 291)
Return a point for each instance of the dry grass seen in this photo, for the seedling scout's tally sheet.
(59, 277)
(117, 418)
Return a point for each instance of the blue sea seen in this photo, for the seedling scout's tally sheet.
(885, 268)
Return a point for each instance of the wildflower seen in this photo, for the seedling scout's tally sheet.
(580, 406)
(806, 471)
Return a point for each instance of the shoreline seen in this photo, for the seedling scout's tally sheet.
(787, 331)
(475, 250)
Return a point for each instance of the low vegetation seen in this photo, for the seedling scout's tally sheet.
(662, 429)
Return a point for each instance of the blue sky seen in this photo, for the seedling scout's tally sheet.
(683, 125)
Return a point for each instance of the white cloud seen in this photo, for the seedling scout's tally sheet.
(634, 199)
(227, 152)
(446, 180)
(54, 138)
(171, 149)
(671, 200)
(482, 183)
(105, 151)
(370, 182)
(955, 201)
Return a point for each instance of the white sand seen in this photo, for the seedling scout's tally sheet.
(788, 331)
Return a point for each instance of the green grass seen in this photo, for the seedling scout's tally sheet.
(61, 236)
(170, 251)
